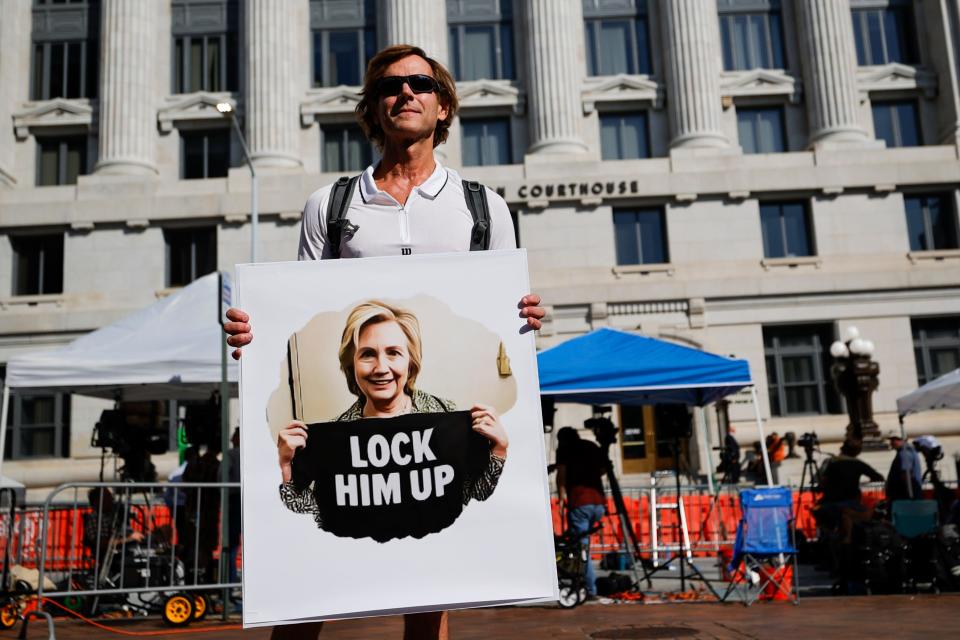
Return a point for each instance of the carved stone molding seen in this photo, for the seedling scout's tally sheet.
(896, 77)
(482, 94)
(621, 89)
(59, 112)
(340, 100)
(201, 105)
(760, 83)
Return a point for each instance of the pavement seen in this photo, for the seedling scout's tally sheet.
(900, 616)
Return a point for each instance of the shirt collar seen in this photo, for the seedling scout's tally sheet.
(430, 188)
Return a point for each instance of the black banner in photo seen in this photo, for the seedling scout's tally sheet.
(387, 478)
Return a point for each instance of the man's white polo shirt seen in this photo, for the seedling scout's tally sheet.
(435, 219)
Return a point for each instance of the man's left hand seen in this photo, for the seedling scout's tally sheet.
(531, 310)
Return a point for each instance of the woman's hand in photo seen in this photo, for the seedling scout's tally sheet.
(290, 439)
(487, 424)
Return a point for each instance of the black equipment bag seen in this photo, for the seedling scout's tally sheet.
(341, 195)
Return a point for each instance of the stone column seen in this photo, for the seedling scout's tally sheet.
(14, 51)
(692, 37)
(272, 64)
(422, 23)
(555, 55)
(943, 18)
(128, 72)
(829, 72)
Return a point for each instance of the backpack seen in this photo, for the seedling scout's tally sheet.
(473, 193)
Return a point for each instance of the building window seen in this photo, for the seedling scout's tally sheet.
(37, 264)
(931, 222)
(204, 154)
(481, 39)
(761, 130)
(61, 160)
(345, 148)
(786, 229)
(936, 346)
(205, 45)
(798, 369)
(344, 39)
(883, 34)
(897, 123)
(752, 34)
(486, 141)
(617, 36)
(641, 236)
(624, 136)
(38, 426)
(66, 43)
(191, 253)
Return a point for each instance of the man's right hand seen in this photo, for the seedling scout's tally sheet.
(238, 329)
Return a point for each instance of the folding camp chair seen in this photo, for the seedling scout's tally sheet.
(764, 554)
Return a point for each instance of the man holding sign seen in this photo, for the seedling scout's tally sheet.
(406, 204)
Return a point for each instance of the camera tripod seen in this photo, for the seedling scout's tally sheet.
(810, 471)
(686, 563)
(630, 539)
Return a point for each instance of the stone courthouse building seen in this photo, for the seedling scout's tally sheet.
(749, 177)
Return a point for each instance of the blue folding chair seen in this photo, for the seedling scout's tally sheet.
(764, 549)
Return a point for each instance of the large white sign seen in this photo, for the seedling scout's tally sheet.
(392, 442)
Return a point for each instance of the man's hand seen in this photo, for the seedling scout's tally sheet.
(238, 330)
(530, 309)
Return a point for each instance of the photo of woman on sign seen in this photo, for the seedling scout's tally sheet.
(380, 356)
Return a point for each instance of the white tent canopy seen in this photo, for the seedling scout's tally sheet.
(942, 393)
(170, 350)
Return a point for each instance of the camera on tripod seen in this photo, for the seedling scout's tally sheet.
(133, 433)
(810, 443)
(603, 428)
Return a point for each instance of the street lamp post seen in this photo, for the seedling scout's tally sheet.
(227, 109)
(857, 376)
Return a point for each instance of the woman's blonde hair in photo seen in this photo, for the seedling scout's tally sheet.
(374, 312)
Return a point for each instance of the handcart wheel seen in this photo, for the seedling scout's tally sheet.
(178, 610)
(582, 595)
(9, 614)
(200, 606)
(569, 597)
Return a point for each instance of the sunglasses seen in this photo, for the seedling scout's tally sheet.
(419, 83)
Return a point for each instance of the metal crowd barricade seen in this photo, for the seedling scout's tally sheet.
(711, 520)
(155, 539)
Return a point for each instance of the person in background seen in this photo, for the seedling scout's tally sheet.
(904, 480)
(730, 457)
(777, 452)
(840, 484)
(580, 469)
(234, 515)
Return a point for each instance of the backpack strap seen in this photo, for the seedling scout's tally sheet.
(476, 197)
(339, 201)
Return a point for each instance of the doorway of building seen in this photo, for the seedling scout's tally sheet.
(641, 450)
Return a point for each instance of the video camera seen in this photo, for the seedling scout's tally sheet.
(603, 428)
(133, 433)
(809, 441)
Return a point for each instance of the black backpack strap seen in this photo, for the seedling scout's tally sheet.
(340, 197)
(476, 196)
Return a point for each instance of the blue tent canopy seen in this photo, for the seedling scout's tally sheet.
(608, 366)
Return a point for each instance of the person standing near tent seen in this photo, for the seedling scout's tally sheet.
(408, 104)
(904, 481)
(580, 468)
